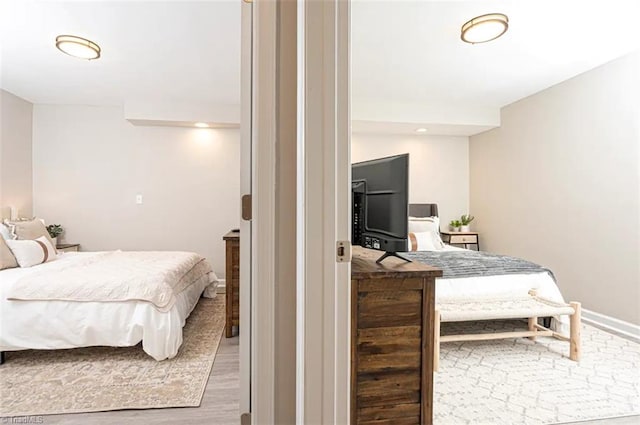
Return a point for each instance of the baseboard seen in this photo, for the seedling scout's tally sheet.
(609, 323)
(222, 285)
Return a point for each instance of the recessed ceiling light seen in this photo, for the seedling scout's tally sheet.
(421, 130)
(78, 47)
(484, 28)
(201, 125)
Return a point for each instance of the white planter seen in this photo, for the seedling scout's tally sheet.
(55, 242)
(454, 229)
(465, 228)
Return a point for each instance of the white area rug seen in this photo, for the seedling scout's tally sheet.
(516, 381)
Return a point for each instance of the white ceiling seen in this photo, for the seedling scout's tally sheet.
(168, 51)
(404, 52)
(410, 51)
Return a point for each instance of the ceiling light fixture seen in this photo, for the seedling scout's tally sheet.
(201, 125)
(484, 28)
(78, 47)
(421, 130)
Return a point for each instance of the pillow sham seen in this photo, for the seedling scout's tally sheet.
(7, 259)
(427, 224)
(30, 253)
(29, 230)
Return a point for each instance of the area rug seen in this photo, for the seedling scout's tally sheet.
(516, 381)
(107, 378)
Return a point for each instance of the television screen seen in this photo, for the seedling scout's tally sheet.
(380, 203)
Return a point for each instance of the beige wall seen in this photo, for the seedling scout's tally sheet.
(15, 155)
(438, 168)
(90, 163)
(559, 184)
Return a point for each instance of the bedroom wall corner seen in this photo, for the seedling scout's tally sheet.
(438, 168)
(559, 184)
(16, 169)
(90, 164)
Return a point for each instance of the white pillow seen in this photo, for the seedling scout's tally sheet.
(427, 224)
(422, 241)
(29, 253)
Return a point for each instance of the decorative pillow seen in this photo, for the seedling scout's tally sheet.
(423, 241)
(32, 252)
(5, 232)
(7, 260)
(29, 230)
(427, 224)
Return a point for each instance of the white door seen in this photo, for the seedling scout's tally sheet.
(245, 225)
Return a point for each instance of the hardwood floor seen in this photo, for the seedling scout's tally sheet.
(219, 404)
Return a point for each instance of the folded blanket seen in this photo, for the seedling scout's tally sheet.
(457, 264)
(155, 277)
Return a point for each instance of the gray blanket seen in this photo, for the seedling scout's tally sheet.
(455, 264)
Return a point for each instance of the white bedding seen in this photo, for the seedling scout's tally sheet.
(69, 324)
(498, 286)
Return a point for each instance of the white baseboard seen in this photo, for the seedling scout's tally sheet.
(222, 285)
(611, 323)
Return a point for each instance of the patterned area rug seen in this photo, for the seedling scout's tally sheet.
(107, 378)
(516, 381)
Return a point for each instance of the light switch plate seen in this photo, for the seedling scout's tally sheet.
(139, 199)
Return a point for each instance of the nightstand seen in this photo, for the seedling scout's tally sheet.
(461, 238)
(68, 247)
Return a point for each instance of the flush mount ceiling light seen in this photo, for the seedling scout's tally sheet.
(78, 47)
(201, 125)
(421, 130)
(484, 28)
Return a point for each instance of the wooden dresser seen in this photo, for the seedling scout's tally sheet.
(232, 277)
(392, 320)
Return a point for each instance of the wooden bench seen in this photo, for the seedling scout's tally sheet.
(528, 307)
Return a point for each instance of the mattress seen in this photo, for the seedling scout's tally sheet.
(69, 324)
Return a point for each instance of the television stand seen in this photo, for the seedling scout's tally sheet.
(392, 254)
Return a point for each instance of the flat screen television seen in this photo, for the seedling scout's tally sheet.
(380, 195)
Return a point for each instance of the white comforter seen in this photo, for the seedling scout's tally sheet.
(152, 276)
(68, 324)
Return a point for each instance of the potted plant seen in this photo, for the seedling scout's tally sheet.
(464, 221)
(455, 225)
(55, 230)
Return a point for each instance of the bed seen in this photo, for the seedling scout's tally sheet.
(485, 284)
(103, 299)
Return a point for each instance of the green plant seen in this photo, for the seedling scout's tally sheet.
(466, 219)
(455, 223)
(55, 230)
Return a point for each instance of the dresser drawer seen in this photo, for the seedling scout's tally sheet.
(463, 239)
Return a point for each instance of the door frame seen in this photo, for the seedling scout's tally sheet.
(263, 141)
(322, 210)
(324, 193)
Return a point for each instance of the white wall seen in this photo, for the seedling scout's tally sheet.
(438, 167)
(89, 165)
(15, 155)
(559, 184)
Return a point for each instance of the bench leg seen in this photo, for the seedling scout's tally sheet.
(436, 341)
(532, 326)
(1, 357)
(574, 332)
